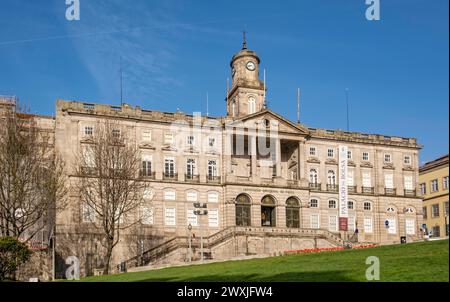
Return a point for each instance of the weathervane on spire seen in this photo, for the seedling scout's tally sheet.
(244, 43)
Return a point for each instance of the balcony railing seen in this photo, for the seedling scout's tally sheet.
(332, 188)
(367, 190)
(410, 193)
(212, 179)
(147, 174)
(351, 189)
(314, 186)
(390, 191)
(191, 178)
(170, 176)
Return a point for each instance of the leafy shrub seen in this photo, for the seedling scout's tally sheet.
(13, 253)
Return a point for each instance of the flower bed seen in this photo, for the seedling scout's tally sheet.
(328, 249)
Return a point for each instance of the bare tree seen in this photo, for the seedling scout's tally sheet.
(107, 168)
(32, 176)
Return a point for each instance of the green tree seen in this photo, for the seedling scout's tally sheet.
(13, 253)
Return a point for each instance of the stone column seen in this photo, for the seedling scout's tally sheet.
(278, 156)
(253, 155)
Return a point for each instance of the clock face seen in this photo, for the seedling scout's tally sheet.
(251, 66)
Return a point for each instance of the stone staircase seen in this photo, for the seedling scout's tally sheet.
(176, 249)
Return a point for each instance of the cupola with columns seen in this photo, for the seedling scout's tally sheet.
(246, 95)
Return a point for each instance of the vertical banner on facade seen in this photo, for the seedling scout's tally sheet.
(343, 190)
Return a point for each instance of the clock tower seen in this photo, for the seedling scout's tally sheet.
(246, 95)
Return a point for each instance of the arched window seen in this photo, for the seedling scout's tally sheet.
(331, 178)
(243, 212)
(251, 105)
(313, 177)
(268, 214)
(367, 206)
(313, 203)
(332, 204)
(292, 213)
(351, 205)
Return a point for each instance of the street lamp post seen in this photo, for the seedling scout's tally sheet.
(201, 213)
(190, 242)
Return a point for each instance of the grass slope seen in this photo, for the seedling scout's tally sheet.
(422, 261)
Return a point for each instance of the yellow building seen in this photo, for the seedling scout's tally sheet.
(433, 179)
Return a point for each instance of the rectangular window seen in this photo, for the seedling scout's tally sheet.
(315, 223)
(88, 130)
(407, 159)
(170, 216)
(192, 196)
(435, 210)
(88, 213)
(425, 213)
(169, 167)
(365, 156)
(392, 229)
(410, 227)
(366, 179)
(446, 208)
(389, 180)
(332, 223)
(350, 178)
(146, 165)
(147, 215)
(170, 195)
(351, 223)
(409, 182)
(190, 140)
(312, 151)
(423, 189)
(349, 154)
(212, 142)
(213, 197)
(212, 168)
(146, 135)
(387, 158)
(213, 218)
(190, 167)
(445, 183)
(330, 152)
(116, 133)
(434, 185)
(168, 138)
(191, 218)
(368, 225)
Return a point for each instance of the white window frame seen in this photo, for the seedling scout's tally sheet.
(349, 154)
(213, 218)
(368, 225)
(170, 194)
(410, 226)
(389, 180)
(191, 218)
(169, 162)
(213, 197)
(88, 130)
(387, 158)
(312, 224)
(316, 203)
(170, 216)
(392, 227)
(190, 140)
(312, 151)
(192, 196)
(369, 208)
(330, 151)
(332, 204)
(434, 185)
(146, 135)
(365, 154)
(445, 183)
(251, 105)
(168, 138)
(350, 177)
(333, 223)
(407, 160)
(408, 182)
(212, 168)
(366, 179)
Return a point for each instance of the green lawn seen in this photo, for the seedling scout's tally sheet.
(422, 261)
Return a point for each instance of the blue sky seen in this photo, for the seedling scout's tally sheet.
(174, 52)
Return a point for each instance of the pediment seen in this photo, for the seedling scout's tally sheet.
(267, 118)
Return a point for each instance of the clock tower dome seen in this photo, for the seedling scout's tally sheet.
(247, 91)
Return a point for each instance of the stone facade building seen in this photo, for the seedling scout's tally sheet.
(251, 182)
